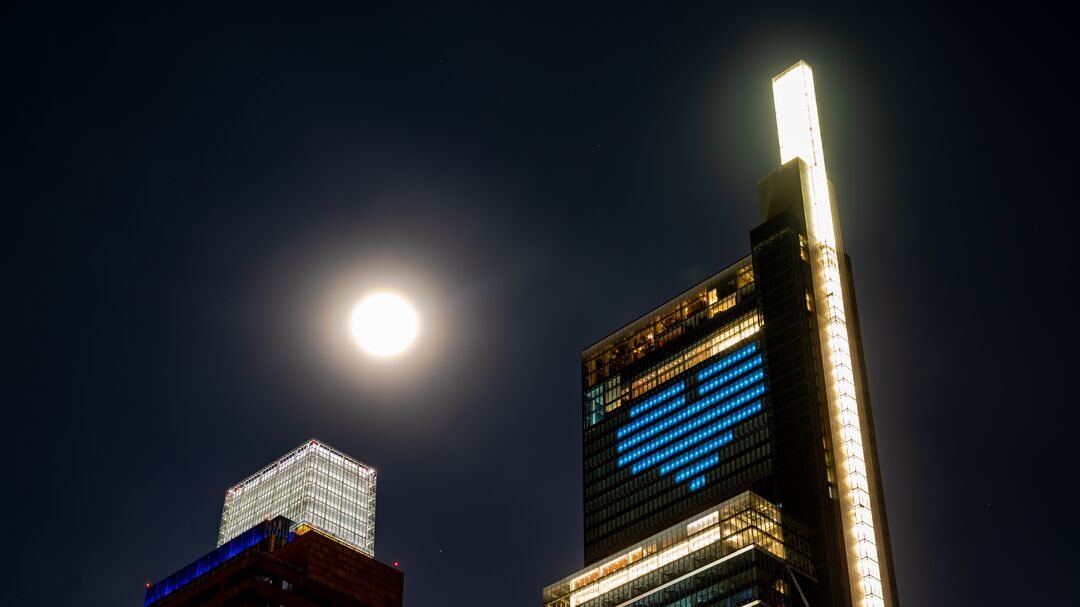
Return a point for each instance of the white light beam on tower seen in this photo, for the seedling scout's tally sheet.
(800, 137)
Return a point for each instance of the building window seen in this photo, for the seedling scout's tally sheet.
(745, 276)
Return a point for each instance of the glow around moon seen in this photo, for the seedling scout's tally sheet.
(384, 324)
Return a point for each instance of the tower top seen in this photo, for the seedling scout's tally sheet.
(799, 132)
(797, 116)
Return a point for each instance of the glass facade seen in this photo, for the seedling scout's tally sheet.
(313, 485)
(679, 420)
(606, 384)
(730, 554)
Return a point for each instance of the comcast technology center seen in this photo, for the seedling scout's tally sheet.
(314, 485)
(750, 381)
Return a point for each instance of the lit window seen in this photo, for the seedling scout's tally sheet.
(745, 276)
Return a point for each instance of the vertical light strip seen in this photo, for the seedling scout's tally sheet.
(800, 136)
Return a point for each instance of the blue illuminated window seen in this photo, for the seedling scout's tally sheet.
(704, 433)
(720, 380)
(683, 438)
(698, 407)
(693, 470)
(694, 423)
(749, 380)
(727, 361)
(678, 447)
(656, 399)
(695, 453)
(667, 452)
(662, 411)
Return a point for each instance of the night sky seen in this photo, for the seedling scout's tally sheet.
(195, 197)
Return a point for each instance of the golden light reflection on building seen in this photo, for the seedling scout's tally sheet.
(743, 522)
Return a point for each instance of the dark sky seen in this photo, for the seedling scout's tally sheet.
(194, 197)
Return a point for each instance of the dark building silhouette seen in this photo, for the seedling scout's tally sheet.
(271, 565)
(729, 450)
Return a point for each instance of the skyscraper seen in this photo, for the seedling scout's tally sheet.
(313, 485)
(729, 451)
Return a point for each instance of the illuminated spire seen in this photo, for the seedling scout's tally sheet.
(800, 137)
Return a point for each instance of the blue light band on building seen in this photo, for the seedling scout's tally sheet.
(727, 361)
(692, 424)
(754, 378)
(656, 399)
(678, 447)
(277, 528)
(726, 377)
(698, 407)
(658, 413)
(696, 452)
(701, 466)
(660, 456)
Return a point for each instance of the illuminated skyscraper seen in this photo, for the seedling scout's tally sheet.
(313, 485)
(729, 452)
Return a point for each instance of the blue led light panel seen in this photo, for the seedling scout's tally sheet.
(680, 431)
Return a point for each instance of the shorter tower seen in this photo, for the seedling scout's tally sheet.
(271, 565)
(314, 486)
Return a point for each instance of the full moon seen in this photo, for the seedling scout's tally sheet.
(384, 324)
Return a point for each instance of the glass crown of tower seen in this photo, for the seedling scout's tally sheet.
(313, 485)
